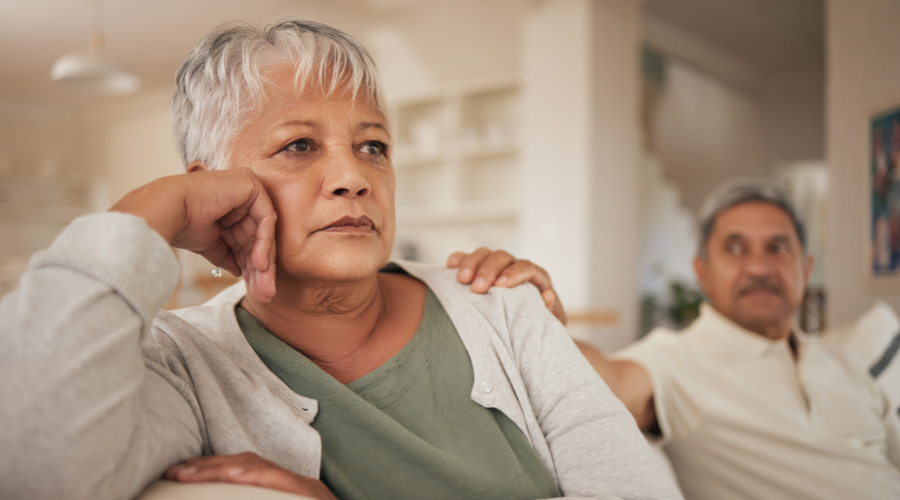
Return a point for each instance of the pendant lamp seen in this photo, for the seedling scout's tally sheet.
(89, 72)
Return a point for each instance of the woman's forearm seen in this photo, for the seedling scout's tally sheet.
(597, 450)
(78, 404)
(225, 216)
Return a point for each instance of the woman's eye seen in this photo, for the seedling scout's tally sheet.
(301, 146)
(375, 148)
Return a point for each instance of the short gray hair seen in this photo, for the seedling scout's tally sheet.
(220, 85)
(744, 191)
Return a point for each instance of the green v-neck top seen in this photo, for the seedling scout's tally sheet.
(409, 429)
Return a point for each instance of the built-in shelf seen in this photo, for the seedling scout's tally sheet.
(41, 213)
(489, 151)
(33, 210)
(470, 214)
(456, 158)
(458, 148)
(412, 160)
(39, 199)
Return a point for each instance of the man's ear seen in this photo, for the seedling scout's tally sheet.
(701, 269)
(807, 269)
(197, 166)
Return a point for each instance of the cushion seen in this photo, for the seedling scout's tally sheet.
(170, 490)
(875, 338)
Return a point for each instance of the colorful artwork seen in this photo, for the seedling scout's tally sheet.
(885, 184)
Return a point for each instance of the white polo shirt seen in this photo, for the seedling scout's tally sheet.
(742, 419)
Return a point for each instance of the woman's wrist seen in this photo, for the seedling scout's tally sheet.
(161, 205)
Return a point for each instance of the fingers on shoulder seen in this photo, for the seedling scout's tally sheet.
(522, 271)
(470, 263)
(491, 270)
(455, 259)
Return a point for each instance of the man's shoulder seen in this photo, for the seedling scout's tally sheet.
(665, 350)
(659, 339)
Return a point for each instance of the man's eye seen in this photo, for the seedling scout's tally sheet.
(301, 146)
(779, 248)
(733, 249)
(375, 148)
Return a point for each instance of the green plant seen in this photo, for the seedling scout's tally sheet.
(684, 305)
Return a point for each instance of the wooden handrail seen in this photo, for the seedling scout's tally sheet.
(603, 317)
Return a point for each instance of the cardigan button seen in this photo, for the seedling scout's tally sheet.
(486, 387)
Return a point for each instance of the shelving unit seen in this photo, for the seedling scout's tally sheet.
(456, 160)
(33, 210)
(42, 200)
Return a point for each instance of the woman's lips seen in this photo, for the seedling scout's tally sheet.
(353, 225)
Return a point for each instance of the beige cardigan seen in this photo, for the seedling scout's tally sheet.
(97, 402)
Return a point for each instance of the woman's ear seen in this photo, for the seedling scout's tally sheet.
(197, 166)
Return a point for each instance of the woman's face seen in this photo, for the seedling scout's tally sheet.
(326, 165)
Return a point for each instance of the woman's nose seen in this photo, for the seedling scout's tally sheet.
(345, 177)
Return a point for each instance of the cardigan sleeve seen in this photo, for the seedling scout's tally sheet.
(82, 415)
(527, 366)
(596, 447)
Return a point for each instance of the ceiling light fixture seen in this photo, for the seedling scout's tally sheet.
(88, 71)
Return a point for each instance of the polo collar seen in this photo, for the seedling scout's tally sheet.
(716, 329)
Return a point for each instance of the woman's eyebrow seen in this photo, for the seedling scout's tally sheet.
(368, 125)
(302, 123)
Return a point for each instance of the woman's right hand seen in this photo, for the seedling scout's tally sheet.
(247, 468)
(224, 215)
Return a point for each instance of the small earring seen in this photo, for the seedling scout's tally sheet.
(216, 273)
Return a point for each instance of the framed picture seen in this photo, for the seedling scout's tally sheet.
(883, 224)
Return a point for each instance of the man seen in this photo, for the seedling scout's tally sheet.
(744, 403)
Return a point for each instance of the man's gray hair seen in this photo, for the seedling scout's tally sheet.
(220, 85)
(735, 193)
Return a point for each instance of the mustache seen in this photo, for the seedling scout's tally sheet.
(761, 284)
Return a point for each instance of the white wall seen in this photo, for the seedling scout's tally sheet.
(580, 89)
(556, 99)
(863, 74)
(41, 151)
(44, 182)
(792, 115)
(721, 117)
(57, 165)
(614, 182)
(132, 144)
(39, 141)
(668, 232)
(706, 131)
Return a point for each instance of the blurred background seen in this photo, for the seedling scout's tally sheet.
(580, 134)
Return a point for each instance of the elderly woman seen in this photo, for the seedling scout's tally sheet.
(355, 379)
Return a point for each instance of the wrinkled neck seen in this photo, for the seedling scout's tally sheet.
(322, 319)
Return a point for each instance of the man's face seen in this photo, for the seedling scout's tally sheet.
(755, 272)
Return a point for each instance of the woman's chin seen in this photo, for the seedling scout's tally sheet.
(344, 265)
